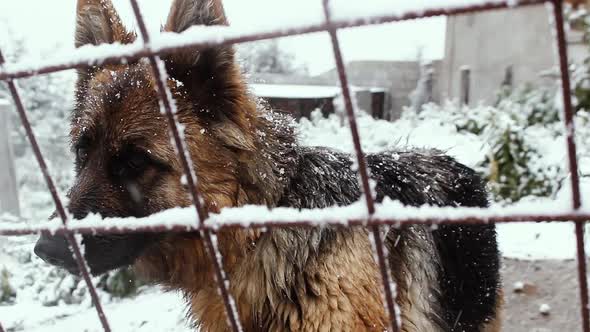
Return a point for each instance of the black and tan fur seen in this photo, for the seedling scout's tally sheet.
(292, 279)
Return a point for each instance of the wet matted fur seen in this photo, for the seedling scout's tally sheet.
(291, 279)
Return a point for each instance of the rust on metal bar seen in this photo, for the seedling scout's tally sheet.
(378, 245)
(56, 199)
(573, 162)
(146, 52)
(212, 249)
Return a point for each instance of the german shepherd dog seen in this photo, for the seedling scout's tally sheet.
(288, 279)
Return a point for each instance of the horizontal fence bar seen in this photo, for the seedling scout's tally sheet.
(79, 228)
(126, 53)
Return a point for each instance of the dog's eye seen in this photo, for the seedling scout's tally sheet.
(130, 164)
(137, 161)
(81, 155)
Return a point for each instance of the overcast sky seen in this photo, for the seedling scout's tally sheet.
(47, 24)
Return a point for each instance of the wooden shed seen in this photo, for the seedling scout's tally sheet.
(299, 100)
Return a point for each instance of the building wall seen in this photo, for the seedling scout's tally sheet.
(489, 42)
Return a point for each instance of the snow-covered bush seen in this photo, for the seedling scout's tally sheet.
(513, 168)
(120, 283)
(513, 160)
(579, 20)
(514, 165)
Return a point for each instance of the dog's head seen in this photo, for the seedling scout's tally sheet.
(126, 164)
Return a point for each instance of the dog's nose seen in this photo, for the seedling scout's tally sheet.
(55, 251)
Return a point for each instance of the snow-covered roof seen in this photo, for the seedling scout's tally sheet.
(294, 91)
(302, 91)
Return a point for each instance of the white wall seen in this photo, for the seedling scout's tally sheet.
(491, 41)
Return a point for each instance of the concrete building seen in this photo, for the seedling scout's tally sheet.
(483, 51)
(512, 46)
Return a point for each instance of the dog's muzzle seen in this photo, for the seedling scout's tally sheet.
(55, 250)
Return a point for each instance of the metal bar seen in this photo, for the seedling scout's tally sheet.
(211, 246)
(573, 162)
(58, 203)
(239, 224)
(127, 54)
(378, 245)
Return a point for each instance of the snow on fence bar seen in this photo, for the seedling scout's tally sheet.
(336, 14)
(254, 216)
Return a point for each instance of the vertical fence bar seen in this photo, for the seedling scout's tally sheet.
(378, 244)
(211, 245)
(573, 162)
(58, 203)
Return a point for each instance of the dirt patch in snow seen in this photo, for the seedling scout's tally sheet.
(541, 296)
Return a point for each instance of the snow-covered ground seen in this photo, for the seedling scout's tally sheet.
(33, 281)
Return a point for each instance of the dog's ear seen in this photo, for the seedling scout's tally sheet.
(210, 76)
(97, 23)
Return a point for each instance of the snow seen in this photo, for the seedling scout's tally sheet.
(521, 240)
(155, 310)
(133, 314)
(431, 129)
(86, 54)
(294, 91)
(304, 91)
(518, 286)
(545, 309)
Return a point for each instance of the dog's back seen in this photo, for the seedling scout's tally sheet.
(447, 277)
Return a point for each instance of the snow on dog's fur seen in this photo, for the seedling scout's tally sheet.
(291, 279)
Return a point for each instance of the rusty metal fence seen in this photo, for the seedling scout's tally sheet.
(10, 72)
